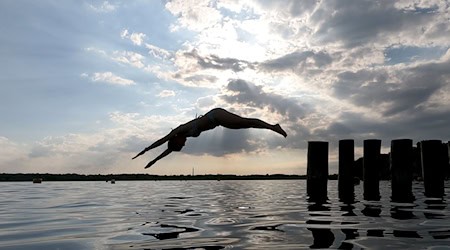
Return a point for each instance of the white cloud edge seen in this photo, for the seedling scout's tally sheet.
(108, 77)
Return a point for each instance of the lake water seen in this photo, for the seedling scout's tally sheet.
(271, 214)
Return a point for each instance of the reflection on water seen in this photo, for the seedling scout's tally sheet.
(213, 215)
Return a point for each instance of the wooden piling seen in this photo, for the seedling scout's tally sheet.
(401, 170)
(346, 177)
(447, 159)
(417, 162)
(317, 171)
(433, 167)
(371, 173)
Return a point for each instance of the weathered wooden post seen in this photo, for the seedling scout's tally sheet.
(401, 170)
(433, 167)
(371, 173)
(417, 162)
(317, 171)
(447, 159)
(346, 161)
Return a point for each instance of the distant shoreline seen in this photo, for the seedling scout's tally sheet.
(5, 177)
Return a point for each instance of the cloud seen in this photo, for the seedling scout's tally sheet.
(158, 52)
(197, 79)
(124, 34)
(291, 8)
(393, 91)
(297, 61)
(85, 153)
(217, 63)
(358, 23)
(166, 93)
(359, 126)
(67, 145)
(294, 114)
(128, 57)
(243, 92)
(10, 151)
(105, 7)
(193, 14)
(102, 151)
(137, 38)
(189, 72)
(111, 78)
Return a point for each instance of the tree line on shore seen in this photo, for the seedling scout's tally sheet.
(138, 177)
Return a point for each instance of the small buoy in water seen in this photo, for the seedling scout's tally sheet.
(113, 181)
(37, 180)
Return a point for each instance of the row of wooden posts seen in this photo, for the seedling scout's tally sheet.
(434, 161)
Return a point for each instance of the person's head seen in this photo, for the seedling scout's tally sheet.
(176, 143)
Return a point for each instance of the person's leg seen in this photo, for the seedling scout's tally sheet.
(233, 121)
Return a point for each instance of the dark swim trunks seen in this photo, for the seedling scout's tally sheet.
(211, 118)
(195, 131)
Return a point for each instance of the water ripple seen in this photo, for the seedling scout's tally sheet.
(228, 214)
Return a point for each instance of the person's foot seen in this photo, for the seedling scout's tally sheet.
(279, 130)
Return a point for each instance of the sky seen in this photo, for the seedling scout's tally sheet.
(85, 85)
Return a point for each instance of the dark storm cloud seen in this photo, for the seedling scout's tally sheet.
(355, 22)
(423, 125)
(215, 62)
(404, 105)
(297, 60)
(297, 8)
(293, 110)
(349, 125)
(371, 88)
(419, 126)
(254, 96)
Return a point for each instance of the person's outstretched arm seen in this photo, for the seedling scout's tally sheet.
(157, 143)
(162, 155)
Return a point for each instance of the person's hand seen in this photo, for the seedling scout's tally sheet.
(142, 152)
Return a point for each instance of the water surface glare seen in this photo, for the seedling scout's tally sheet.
(240, 214)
